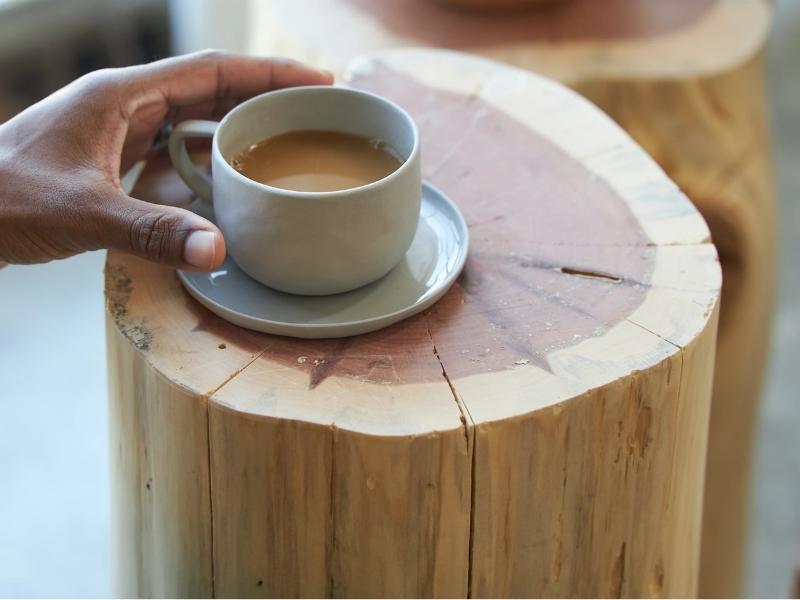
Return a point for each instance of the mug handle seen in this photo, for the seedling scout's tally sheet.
(191, 175)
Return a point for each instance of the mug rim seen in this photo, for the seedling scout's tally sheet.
(230, 115)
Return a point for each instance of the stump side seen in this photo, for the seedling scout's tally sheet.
(435, 475)
(711, 137)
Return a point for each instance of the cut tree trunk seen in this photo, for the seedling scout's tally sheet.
(541, 431)
(685, 80)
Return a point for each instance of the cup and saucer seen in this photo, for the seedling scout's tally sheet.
(321, 264)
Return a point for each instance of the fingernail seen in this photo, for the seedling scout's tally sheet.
(328, 73)
(200, 249)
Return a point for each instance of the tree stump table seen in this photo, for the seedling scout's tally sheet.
(541, 431)
(685, 80)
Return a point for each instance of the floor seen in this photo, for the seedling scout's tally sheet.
(54, 514)
(54, 506)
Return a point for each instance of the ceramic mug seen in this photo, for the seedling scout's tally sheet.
(312, 243)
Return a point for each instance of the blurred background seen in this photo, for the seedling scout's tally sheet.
(54, 496)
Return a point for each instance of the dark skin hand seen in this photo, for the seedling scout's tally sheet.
(61, 159)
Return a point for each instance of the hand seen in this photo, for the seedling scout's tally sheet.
(60, 160)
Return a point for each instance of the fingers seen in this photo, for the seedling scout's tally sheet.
(211, 76)
(164, 234)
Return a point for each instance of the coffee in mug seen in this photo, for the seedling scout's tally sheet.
(343, 234)
(317, 161)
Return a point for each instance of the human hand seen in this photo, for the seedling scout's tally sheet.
(61, 159)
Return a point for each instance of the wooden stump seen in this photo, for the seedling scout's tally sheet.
(541, 431)
(685, 80)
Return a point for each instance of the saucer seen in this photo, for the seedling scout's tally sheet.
(432, 263)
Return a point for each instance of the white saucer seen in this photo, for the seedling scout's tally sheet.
(432, 263)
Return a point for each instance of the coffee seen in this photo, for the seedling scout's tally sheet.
(316, 161)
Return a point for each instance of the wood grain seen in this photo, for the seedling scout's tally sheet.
(162, 519)
(715, 145)
(549, 414)
(691, 94)
(271, 496)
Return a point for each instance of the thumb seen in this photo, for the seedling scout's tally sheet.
(164, 234)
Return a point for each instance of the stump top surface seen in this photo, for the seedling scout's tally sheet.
(587, 264)
(568, 40)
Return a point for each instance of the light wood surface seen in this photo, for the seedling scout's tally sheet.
(685, 80)
(540, 431)
(715, 145)
(570, 40)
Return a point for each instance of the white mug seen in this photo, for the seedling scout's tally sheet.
(312, 243)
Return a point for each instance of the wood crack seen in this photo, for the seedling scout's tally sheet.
(470, 441)
(589, 274)
(658, 335)
(210, 495)
(472, 495)
(207, 397)
(461, 408)
(332, 548)
(233, 375)
(528, 262)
